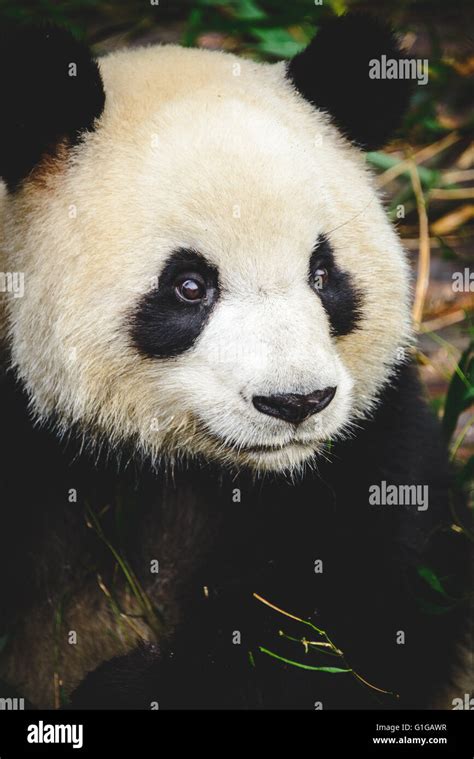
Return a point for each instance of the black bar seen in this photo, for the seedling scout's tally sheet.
(319, 734)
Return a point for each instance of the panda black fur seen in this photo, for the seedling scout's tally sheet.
(252, 395)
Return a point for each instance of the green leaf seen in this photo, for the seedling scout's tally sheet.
(460, 392)
(428, 177)
(430, 608)
(332, 670)
(278, 42)
(437, 404)
(446, 250)
(193, 27)
(249, 10)
(338, 6)
(433, 581)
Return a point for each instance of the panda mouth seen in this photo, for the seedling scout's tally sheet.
(275, 448)
(262, 448)
(268, 448)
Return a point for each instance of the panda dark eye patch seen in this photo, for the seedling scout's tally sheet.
(339, 296)
(169, 319)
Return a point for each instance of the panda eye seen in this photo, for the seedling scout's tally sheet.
(190, 288)
(320, 278)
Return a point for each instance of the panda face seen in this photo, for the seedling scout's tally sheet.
(250, 348)
(209, 272)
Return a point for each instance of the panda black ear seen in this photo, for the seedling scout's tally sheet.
(50, 90)
(333, 74)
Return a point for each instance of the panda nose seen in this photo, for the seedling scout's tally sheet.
(292, 407)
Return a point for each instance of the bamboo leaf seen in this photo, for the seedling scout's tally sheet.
(433, 581)
(278, 42)
(332, 670)
(460, 392)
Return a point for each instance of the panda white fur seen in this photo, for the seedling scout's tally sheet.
(211, 356)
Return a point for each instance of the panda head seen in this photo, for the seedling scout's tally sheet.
(208, 268)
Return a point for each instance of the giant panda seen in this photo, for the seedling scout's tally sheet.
(206, 378)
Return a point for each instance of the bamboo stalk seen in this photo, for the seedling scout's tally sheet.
(423, 277)
(422, 155)
(442, 321)
(453, 194)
